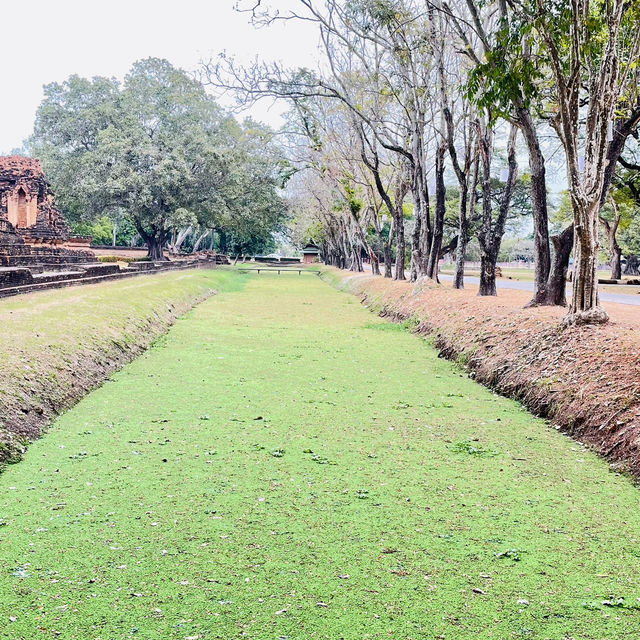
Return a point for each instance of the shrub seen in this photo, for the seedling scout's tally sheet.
(126, 259)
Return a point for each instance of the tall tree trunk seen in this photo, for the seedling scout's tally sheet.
(344, 247)
(387, 253)
(541, 247)
(463, 221)
(400, 244)
(179, 238)
(114, 235)
(614, 248)
(360, 239)
(463, 233)
(388, 273)
(611, 229)
(555, 290)
(632, 268)
(415, 250)
(422, 235)
(200, 239)
(616, 260)
(585, 303)
(154, 246)
(490, 236)
(398, 215)
(375, 262)
(488, 261)
(438, 220)
(426, 239)
(356, 260)
(154, 240)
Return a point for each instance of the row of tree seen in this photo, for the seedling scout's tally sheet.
(414, 94)
(156, 158)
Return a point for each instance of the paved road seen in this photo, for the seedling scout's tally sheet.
(620, 298)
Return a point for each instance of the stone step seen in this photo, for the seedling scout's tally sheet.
(35, 259)
(49, 280)
(12, 277)
(57, 276)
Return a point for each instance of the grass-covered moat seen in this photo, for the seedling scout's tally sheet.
(55, 346)
(283, 464)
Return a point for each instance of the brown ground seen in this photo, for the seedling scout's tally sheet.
(586, 379)
(121, 251)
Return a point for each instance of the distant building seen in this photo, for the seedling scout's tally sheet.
(28, 213)
(311, 253)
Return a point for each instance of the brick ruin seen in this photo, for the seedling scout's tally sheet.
(27, 208)
(33, 231)
(36, 249)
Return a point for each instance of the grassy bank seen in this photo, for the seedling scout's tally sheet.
(584, 379)
(282, 464)
(56, 345)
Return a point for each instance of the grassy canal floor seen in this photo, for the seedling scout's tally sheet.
(285, 465)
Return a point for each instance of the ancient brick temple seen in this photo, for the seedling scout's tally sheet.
(36, 249)
(33, 232)
(27, 208)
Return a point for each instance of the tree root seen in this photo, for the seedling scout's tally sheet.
(597, 315)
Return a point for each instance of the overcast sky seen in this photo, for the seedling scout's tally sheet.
(49, 40)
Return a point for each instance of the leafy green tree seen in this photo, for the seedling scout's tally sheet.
(101, 230)
(66, 134)
(159, 149)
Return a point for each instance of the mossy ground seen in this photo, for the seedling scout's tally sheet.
(57, 345)
(282, 465)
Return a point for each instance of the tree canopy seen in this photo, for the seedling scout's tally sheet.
(431, 96)
(158, 148)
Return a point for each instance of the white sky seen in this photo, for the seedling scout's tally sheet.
(49, 40)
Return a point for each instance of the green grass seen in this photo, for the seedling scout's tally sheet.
(282, 465)
(62, 317)
(55, 343)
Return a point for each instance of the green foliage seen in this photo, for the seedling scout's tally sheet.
(354, 203)
(562, 214)
(507, 75)
(629, 238)
(517, 68)
(101, 230)
(159, 149)
(516, 249)
(368, 13)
